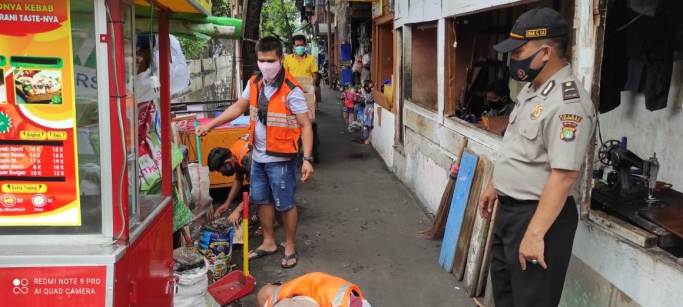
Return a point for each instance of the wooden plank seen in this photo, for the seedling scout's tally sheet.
(467, 227)
(178, 169)
(461, 193)
(381, 99)
(475, 257)
(623, 229)
(180, 117)
(379, 116)
(669, 218)
(484, 269)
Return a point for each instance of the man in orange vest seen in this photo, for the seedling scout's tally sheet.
(312, 290)
(236, 161)
(278, 119)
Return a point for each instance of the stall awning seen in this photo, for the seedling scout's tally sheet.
(188, 25)
(202, 7)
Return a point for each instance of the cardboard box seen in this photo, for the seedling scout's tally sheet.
(310, 100)
(304, 79)
(308, 89)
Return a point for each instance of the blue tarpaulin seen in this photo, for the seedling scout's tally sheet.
(346, 76)
(345, 52)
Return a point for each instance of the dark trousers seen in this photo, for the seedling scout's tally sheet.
(534, 287)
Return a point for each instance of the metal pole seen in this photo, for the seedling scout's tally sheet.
(329, 47)
(165, 101)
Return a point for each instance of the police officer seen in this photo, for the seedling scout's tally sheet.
(539, 161)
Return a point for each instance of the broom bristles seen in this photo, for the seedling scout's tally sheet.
(436, 230)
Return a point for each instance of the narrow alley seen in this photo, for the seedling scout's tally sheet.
(359, 222)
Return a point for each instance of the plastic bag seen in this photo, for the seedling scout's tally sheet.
(216, 245)
(187, 259)
(200, 187)
(193, 288)
(180, 74)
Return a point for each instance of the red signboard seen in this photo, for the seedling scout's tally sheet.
(53, 286)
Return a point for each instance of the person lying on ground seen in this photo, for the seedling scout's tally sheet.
(312, 290)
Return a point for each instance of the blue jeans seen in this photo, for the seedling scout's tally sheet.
(273, 183)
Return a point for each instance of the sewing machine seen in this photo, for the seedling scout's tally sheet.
(628, 188)
(623, 161)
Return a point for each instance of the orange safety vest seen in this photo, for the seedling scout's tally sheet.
(282, 128)
(240, 149)
(326, 290)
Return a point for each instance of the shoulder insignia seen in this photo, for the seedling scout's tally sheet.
(570, 91)
(548, 88)
(571, 118)
(570, 125)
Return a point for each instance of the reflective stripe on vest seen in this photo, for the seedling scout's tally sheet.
(339, 297)
(273, 298)
(243, 152)
(282, 120)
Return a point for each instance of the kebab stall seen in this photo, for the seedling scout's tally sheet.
(76, 225)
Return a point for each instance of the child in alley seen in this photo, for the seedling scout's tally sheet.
(369, 111)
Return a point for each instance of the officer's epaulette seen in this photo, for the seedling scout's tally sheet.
(570, 91)
(549, 87)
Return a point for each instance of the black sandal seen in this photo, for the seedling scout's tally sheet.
(286, 258)
(261, 253)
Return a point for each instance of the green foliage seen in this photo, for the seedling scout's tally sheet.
(220, 8)
(192, 48)
(273, 21)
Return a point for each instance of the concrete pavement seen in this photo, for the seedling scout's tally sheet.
(358, 222)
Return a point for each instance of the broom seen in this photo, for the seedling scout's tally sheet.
(438, 226)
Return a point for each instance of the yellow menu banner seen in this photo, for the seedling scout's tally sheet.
(38, 154)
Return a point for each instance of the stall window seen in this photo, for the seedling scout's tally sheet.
(473, 66)
(132, 112)
(87, 113)
(420, 69)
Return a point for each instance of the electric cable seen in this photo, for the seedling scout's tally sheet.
(121, 129)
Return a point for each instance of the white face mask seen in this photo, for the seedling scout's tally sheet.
(269, 70)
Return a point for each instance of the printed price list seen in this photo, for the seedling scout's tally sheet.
(32, 161)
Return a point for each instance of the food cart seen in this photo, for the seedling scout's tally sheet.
(74, 228)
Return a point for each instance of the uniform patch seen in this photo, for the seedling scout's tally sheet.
(536, 112)
(536, 33)
(570, 91)
(548, 88)
(521, 73)
(571, 118)
(568, 133)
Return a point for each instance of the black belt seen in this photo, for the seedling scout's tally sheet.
(511, 201)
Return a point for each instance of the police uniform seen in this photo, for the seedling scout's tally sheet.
(549, 128)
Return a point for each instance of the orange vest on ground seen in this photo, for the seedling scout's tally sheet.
(327, 290)
(282, 128)
(240, 149)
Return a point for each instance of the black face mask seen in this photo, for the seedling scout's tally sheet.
(498, 102)
(521, 70)
(228, 170)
